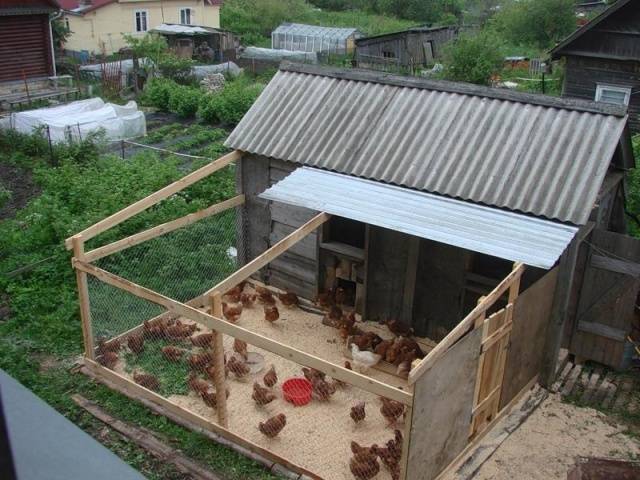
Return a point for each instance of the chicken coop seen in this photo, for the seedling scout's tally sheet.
(387, 282)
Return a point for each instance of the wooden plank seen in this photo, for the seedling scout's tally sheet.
(460, 459)
(83, 298)
(137, 392)
(408, 294)
(531, 317)
(147, 440)
(497, 336)
(305, 248)
(406, 443)
(273, 252)
(465, 324)
(611, 393)
(440, 429)
(143, 204)
(562, 377)
(616, 265)
(591, 385)
(158, 230)
(335, 371)
(489, 398)
(603, 389)
(343, 249)
(603, 330)
(290, 215)
(219, 379)
(571, 380)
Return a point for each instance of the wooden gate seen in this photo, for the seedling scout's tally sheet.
(607, 298)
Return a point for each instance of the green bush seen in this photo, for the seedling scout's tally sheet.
(184, 101)
(177, 69)
(158, 92)
(5, 195)
(230, 105)
(633, 194)
(473, 58)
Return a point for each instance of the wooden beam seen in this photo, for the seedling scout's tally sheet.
(218, 363)
(276, 250)
(158, 230)
(467, 323)
(143, 204)
(137, 392)
(335, 371)
(83, 298)
(147, 440)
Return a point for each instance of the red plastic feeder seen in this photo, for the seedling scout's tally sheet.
(297, 391)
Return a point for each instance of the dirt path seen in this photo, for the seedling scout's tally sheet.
(547, 443)
(19, 182)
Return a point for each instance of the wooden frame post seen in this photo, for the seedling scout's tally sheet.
(83, 297)
(218, 363)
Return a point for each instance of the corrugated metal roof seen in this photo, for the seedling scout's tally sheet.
(315, 31)
(540, 155)
(508, 235)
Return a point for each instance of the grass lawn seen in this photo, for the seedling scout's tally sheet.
(40, 335)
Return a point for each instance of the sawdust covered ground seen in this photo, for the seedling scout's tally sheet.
(547, 443)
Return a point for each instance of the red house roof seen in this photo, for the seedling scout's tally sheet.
(95, 4)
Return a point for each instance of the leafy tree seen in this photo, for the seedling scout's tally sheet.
(152, 46)
(473, 58)
(633, 194)
(535, 22)
(60, 32)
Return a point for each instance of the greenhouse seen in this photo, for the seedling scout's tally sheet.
(312, 38)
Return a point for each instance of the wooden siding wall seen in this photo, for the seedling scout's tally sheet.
(265, 223)
(443, 401)
(582, 75)
(25, 47)
(531, 315)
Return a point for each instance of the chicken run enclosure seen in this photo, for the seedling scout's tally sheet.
(178, 316)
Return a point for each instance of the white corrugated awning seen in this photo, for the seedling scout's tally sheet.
(512, 236)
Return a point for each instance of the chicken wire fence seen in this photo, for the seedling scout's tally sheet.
(321, 424)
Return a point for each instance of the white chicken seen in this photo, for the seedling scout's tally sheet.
(363, 360)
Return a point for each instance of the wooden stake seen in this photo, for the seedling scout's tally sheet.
(83, 297)
(218, 363)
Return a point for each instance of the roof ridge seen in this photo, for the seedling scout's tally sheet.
(361, 75)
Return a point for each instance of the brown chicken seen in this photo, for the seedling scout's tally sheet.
(288, 299)
(200, 361)
(171, 353)
(210, 399)
(238, 367)
(271, 313)
(402, 350)
(270, 378)
(273, 426)
(325, 299)
(136, 343)
(265, 296)
(240, 348)
(147, 381)
(391, 410)
(366, 341)
(391, 455)
(248, 299)
(323, 389)
(179, 330)
(210, 371)
(382, 347)
(364, 463)
(203, 340)
(347, 365)
(311, 373)
(197, 384)
(235, 293)
(104, 346)
(357, 412)
(231, 313)
(399, 328)
(153, 330)
(262, 395)
(108, 359)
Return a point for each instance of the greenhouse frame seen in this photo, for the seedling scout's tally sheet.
(313, 38)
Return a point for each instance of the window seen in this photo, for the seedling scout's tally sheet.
(141, 20)
(388, 54)
(186, 16)
(613, 94)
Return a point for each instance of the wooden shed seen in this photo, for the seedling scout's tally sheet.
(437, 220)
(603, 59)
(26, 46)
(416, 47)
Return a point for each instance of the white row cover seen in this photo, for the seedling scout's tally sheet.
(76, 120)
(508, 235)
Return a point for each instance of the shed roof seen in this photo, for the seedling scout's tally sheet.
(495, 232)
(618, 34)
(315, 31)
(399, 33)
(180, 29)
(529, 153)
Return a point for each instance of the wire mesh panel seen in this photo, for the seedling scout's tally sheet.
(184, 263)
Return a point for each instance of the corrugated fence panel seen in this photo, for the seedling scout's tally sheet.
(24, 46)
